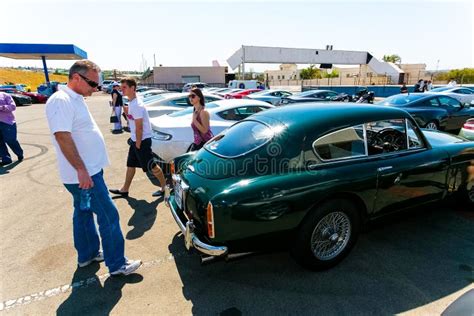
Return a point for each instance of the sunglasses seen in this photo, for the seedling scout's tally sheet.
(192, 96)
(91, 83)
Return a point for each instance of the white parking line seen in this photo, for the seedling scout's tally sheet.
(39, 296)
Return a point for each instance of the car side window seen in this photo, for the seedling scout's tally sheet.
(210, 99)
(414, 139)
(229, 115)
(241, 113)
(464, 91)
(330, 95)
(386, 136)
(181, 102)
(446, 101)
(343, 144)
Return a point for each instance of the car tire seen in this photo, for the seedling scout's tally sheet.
(340, 237)
(433, 125)
(466, 195)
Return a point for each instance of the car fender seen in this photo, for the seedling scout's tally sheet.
(424, 115)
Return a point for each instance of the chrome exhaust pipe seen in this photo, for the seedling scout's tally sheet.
(227, 258)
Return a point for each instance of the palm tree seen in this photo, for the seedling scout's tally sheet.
(392, 58)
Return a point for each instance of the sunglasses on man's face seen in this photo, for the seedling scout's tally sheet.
(91, 83)
(192, 96)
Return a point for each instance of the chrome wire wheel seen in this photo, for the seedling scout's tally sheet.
(431, 125)
(470, 193)
(331, 235)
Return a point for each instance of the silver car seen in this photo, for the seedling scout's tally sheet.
(270, 96)
(170, 102)
(462, 94)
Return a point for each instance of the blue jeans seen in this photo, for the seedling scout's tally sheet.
(86, 238)
(8, 137)
(118, 113)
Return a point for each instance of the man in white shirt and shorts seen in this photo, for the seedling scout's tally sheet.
(140, 154)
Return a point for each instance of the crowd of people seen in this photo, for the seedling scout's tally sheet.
(82, 156)
(425, 86)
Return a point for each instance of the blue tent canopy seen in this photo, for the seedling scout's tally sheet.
(43, 52)
(38, 51)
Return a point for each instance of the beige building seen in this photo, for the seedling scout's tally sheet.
(286, 72)
(211, 75)
(289, 74)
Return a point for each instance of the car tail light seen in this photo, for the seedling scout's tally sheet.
(469, 125)
(210, 220)
(172, 168)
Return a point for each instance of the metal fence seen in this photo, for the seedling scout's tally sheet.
(177, 86)
(354, 81)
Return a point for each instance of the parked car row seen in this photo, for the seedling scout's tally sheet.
(18, 97)
(430, 110)
(35, 97)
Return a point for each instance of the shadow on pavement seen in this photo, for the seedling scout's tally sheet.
(90, 297)
(6, 169)
(397, 265)
(144, 217)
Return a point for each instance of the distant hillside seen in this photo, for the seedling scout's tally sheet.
(28, 77)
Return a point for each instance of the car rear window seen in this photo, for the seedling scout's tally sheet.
(190, 110)
(401, 99)
(240, 139)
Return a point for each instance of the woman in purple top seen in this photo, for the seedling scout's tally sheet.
(8, 130)
(200, 124)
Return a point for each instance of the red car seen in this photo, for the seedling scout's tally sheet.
(241, 94)
(35, 97)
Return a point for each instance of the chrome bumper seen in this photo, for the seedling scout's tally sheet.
(191, 240)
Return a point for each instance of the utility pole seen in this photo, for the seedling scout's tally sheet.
(154, 60)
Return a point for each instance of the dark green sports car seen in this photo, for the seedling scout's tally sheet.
(313, 174)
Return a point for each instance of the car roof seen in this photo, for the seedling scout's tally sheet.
(322, 117)
(233, 103)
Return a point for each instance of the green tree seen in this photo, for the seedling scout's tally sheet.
(392, 58)
(465, 75)
(310, 73)
(333, 74)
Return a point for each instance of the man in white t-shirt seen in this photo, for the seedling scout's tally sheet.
(452, 82)
(140, 154)
(82, 155)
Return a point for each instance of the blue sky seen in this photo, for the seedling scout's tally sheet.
(193, 33)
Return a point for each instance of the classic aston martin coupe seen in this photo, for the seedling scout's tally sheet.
(313, 174)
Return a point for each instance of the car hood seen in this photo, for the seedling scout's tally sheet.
(439, 138)
(305, 98)
(20, 96)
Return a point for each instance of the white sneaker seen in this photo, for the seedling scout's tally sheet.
(129, 267)
(98, 258)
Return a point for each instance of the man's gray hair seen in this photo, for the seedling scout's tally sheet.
(82, 67)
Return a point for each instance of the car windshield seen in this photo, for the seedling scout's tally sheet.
(401, 99)
(240, 139)
(154, 98)
(190, 110)
(441, 89)
(306, 93)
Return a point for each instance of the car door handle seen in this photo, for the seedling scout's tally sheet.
(380, 169)
(398, 179)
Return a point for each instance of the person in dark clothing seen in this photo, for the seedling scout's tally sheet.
(8, 132)
(418, 86)
(117, 104)
(404, 89)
